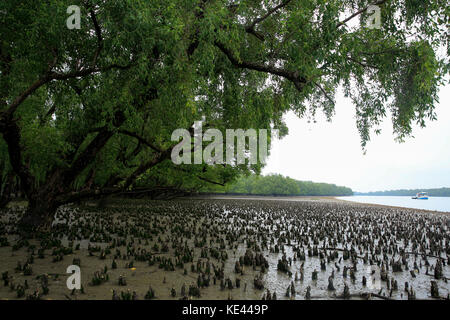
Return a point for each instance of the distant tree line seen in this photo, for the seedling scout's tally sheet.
(437, 192)
(276, 184)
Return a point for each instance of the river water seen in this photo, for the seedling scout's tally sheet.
(433, 203)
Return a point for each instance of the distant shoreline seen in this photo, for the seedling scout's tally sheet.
(329, 199)
(306, 198)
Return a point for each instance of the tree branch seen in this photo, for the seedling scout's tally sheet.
(147, 165)
(294, 77)
(87, 155)
(210, 181)
(98, 32)
(55, 76)
(21, 98)
(324, 92)
(202, 178)
(380, 2)
(199, 14)
(140, 139)
(363, 64)
(251, 28)
(91, 151)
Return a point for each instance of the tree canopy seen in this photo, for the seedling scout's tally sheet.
(276, 184)
(90, 111)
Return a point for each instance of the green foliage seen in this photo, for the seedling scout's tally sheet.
(275, 184)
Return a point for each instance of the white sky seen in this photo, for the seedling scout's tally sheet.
(331, 152)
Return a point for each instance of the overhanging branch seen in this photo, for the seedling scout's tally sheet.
(292, 76)
(55, 76)
(324, 92)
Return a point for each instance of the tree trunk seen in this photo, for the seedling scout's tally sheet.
(39, 215)
(5, 193)
(4, 200)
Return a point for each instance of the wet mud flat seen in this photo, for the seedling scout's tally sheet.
(230, 249)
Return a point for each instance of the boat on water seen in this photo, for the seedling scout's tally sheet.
(421, 196)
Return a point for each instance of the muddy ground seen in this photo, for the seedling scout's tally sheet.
(197, 242)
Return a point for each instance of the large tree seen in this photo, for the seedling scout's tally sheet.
(90, 111)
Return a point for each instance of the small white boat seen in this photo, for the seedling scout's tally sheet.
(421, 196)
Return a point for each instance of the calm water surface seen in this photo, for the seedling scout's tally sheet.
(433, 203)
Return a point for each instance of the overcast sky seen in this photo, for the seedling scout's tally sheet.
(331, 152)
